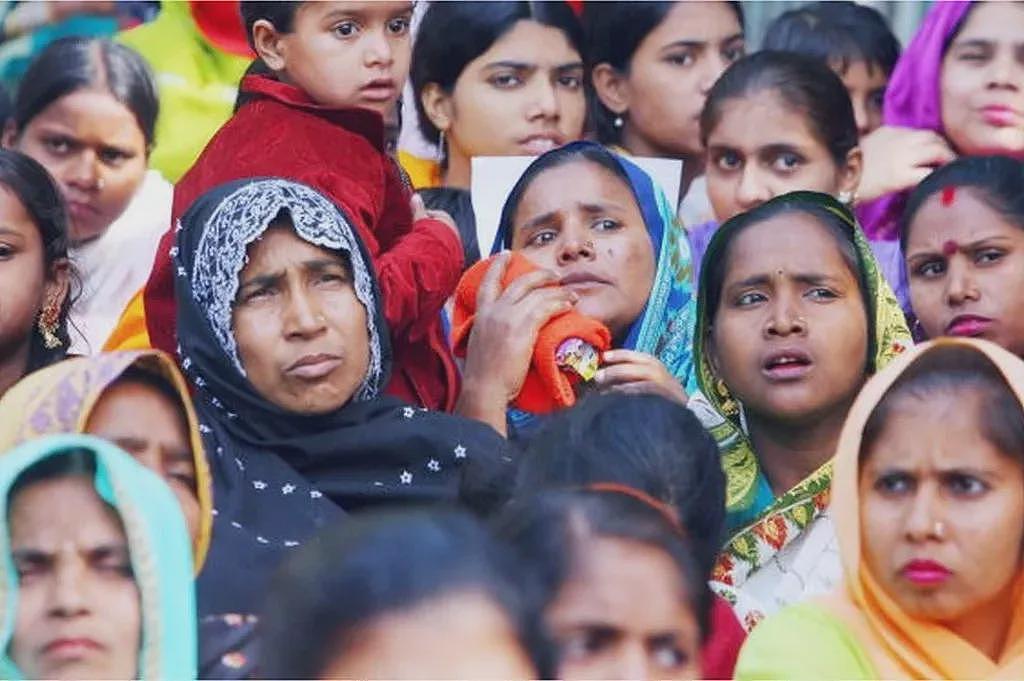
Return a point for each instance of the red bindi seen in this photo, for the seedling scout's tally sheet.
(950, 247)
(948, 195)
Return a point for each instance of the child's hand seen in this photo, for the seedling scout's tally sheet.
(420, 212)
(637, 373)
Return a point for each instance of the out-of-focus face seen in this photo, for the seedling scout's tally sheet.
(301, 331)
(462, 635)
(145, 423)
(790, 334)
(523, 96)
(670, 75)
(79, 615)
(624, 614)
(762, 148)
(965, 262)
(582, 222)
(92, 145)
(942, 512)
(866, 84)
(982, 82)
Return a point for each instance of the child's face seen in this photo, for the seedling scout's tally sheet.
(866, 84)
(346, 54)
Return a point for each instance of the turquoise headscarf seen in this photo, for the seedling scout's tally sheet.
(665, 327)
(158, 542)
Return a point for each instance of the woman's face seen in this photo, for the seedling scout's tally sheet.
(670, 75)
(624, 614)
(93, 146)
(523, 96)
(965, 262)
(78, 604)
(790, 335)
(582, 222)
(982, 82)
(458, 636)
(145, 423)
(28, 285)
(762, 148)
(941, 510)
(301, 331)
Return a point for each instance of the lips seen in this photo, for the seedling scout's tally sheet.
(535, 145)
(1001, 116)
(926, 572)
(969, 325)
(71, 648)
(790, 364)
(582, 280)
(313, 367)
(379, 90)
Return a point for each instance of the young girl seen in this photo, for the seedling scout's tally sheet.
(619, 590)
(961, 78)
(492, 79)
(963, 239)
(86, 111)
(35, 274)
(930, 523)
(652, 64)
(793, 316)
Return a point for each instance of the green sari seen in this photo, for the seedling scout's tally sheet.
(759, 524)
(158, 542)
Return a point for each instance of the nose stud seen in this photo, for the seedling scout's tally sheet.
(939, 530)
(589, 245)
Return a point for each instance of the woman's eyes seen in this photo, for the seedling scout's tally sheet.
(681, 59)
(963, 485)
(58, 145)
(787, 161)
(973, 57)
(988, 256)
(505, 81)
(346, 29)
(822, 293)
(541, 238)
(606, 225)
(734, 54)
(570, 82)
(112, 156)
(894, 483)
(750, 298)
(728, 160)
(669, 656)
(931, 269)
(6, 252)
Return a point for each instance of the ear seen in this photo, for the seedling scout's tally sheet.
(57, 286)
(850, 173)
(712, 351)
(10, 134)
(437, 104)
(611, 87)
(269, 45)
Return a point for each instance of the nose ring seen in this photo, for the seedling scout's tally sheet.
(589, 245)
(101, 183)
(939, 530)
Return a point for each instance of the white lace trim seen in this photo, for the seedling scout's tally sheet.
(241, 218)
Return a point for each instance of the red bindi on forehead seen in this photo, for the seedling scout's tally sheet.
(948, 196)
(950, 247)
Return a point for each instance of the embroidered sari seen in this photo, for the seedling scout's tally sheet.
(157, 541)
(763, 528)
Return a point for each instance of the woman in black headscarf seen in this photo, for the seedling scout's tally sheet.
(282, 332)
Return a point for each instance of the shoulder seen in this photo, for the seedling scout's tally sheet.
(803, 641)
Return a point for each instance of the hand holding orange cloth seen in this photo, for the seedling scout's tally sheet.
(547, 387)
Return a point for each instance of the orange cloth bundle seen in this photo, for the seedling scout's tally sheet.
(547, 387)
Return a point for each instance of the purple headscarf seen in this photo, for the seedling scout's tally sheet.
(913, 100)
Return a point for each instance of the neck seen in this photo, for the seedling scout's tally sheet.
(987, 627)
(693, 164)
(14, 367)
(457, 174)
(788, 452)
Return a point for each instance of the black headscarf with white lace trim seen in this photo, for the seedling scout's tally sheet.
(279, 476)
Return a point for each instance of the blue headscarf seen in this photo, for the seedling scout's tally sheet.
(158, 544)
(665, 327)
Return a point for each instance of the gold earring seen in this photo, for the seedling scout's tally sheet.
(729, 405)
(48, 329)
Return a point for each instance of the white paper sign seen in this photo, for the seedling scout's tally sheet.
(494, 176)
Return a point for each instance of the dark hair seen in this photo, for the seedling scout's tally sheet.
(159, 384)
(72, 64)
(614, 31)
(644, 441)
(998, 181)
(571, 153)
(280, 14)
(452, 34)
(956, 370)
(65, 464)
(838, 33)
(382, 563)
(802, 83)
(548, 530)
(716, 258)
(41, 197)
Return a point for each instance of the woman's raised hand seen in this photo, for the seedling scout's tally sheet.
(504, 333)
(896, 159)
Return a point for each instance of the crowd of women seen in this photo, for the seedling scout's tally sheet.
(288, 417)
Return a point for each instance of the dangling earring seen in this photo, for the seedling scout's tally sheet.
(618, 122)
(48, 329)
(729, 405)
(847, 198)
(440, 146)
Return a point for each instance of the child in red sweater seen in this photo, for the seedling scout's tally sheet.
(338, 70)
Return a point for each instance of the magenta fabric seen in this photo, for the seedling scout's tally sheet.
(912, 100)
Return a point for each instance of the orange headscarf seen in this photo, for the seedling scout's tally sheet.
(900, 646)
